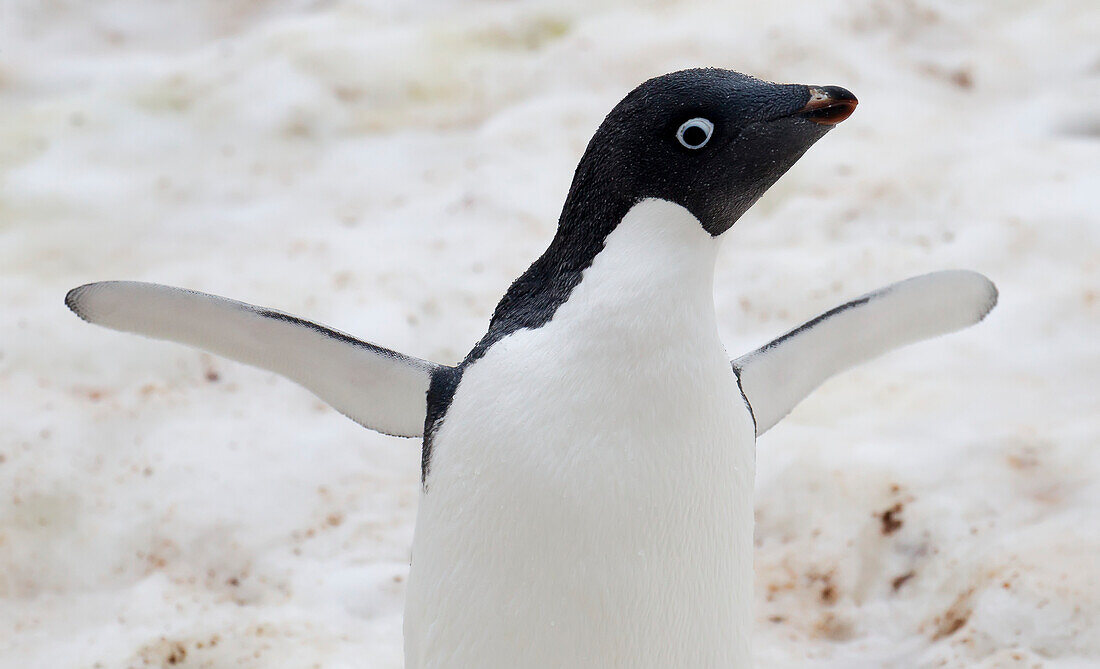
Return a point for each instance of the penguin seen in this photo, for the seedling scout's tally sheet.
(587, 469)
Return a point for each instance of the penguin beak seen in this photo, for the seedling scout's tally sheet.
(828, 105)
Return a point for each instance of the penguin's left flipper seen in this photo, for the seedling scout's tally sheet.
(376, 387)
(780, 374)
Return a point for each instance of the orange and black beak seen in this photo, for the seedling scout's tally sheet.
(829, 105)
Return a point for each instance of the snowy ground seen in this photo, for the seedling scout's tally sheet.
(388, 170)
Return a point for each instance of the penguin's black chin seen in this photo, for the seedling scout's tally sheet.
(828, 105)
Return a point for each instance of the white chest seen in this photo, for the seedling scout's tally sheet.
(590, 496)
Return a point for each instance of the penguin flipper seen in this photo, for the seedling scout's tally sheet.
(779, 375)
(376, 387)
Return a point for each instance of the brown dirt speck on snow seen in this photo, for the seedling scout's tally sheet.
(954, 618)
(902, 580)
(163, 653)
(891, 519)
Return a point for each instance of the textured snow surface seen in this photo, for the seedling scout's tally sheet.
(388, 168)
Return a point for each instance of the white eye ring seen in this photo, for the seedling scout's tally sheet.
(699, 123)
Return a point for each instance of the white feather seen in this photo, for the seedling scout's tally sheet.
(589, 502)
(782, 373)
(376, 387)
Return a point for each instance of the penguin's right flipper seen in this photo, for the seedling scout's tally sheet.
(782, 373)
(376, 387)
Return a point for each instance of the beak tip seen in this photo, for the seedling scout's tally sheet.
(829, 105)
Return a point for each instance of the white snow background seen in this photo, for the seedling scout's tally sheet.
(387, 168)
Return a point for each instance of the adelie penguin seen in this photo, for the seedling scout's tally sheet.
(587, 496)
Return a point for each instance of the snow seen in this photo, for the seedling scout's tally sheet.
(388, 168)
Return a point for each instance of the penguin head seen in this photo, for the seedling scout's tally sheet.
(710, 140)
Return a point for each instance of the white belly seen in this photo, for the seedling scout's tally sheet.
(589, 502)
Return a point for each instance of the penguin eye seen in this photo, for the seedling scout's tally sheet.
(695, 134)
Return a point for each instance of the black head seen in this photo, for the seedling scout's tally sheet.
(710, 140)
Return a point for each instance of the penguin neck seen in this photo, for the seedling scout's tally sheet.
(654, 270)
(652, 259)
